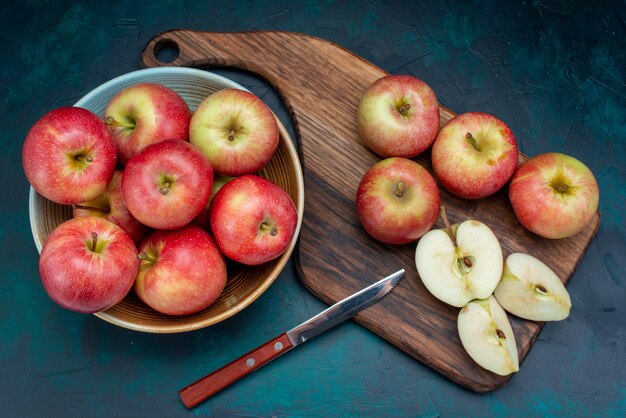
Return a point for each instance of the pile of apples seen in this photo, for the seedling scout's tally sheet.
(161, 196)
(473, 156)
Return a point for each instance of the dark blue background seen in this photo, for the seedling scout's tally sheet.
(553, 70)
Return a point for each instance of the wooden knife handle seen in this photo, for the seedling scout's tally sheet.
(209, 385)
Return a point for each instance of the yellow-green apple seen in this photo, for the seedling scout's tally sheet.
(144, 114)
(531, 290)
(88, 264)
(69, 155)
(235, 130)
(554, 195)
(167, 184)
(253, 220)
(110, 206)
(398, 116)
(181, 271)
(487, 336)
(203, 220)
(397, 201)
(474, 155)
(459, 263)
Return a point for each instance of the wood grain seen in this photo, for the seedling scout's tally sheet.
(321, 84)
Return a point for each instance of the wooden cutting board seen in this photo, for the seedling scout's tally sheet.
(321, 84)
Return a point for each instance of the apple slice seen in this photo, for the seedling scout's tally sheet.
(461, 263)
(487, 336)
(531, 290)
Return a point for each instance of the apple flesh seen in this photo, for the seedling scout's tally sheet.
(554, 195)
(144, 114)
(88, 264)
(459, 265)
(181, 272)
(110, 206)
(167, 184)
(398, 116)
(397, 201)
(474, 155)
(487, 336)
(531, 290)
(69, 155)
(236, 131)
(253, 220)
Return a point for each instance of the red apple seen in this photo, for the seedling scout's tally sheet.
(145, 114)
(474, 155)
(397, 201)
(203, 220)
(69, 155)
(181, 272)
(554, 195)
(235, 130)
(253, 220)
(110, 206)
(88, 264)
(398, 116)
(167, 184)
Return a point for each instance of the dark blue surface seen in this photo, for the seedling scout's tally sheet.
(553, 70)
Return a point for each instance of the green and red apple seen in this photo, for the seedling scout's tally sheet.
(398, 116)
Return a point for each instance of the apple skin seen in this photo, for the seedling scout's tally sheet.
(236, 131)
(203, 220)
(167, 184)
(79, 279)
(554, 195)
(474, 172)
(69, 155)
(110, 205)
(397, 201)
(181, 272)
(150, 113)
(398, 116)
(253, 220)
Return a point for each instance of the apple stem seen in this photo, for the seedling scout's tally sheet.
(446, 222)
(146, 257)
(94, 241)
(266, 227)
(165, 188)
(400, 188)
(404, 109)
(111, 121)
(472, 140)
(231, 136)
(91, 208)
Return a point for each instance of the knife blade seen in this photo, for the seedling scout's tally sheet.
(212, 383)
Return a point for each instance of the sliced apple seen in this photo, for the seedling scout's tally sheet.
(487, 336)
(459, 263)
(531, 290)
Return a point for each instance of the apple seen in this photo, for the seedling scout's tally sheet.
(253, 220)
(144, 114)
(203, 220)
(88, 264)
(181, 271)
(531, 290)
(487, 336)
(554, 195)
(236, 131)
(69, 155)
(398, 116)
(167, 184)
(110, 206)
(474, 155)
(459, 263)
(397, 201)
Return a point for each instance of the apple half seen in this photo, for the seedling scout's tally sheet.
(487, 336)
(531, 290)
(460, 264)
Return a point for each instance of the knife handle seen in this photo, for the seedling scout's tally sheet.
(210, 384)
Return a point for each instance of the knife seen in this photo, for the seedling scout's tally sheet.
(209, 385)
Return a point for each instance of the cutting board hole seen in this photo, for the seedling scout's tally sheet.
(166, 50)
